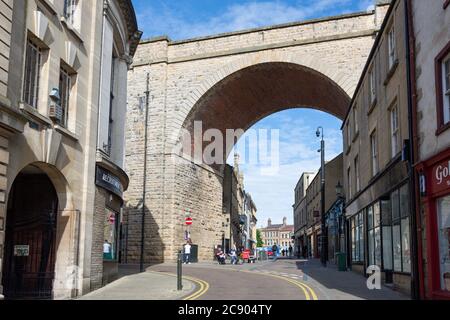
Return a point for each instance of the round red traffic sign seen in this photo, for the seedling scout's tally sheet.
(188, 221)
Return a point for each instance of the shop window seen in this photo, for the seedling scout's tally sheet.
(401, 230)
(443, 206)
(357, 225)
(386, 222)
(110, 235)
(374, 234)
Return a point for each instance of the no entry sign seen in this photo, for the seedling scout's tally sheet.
(188, 221)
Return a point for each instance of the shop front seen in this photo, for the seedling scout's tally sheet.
(108, 224)
(435, 200)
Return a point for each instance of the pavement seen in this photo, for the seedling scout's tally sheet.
(284, 279)
(143, 286)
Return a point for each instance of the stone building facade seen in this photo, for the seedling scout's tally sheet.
(278, 234)
(233, 206)
(53, 63)
(188, 81)
(300, 213)
(376, 179)
(430, 33)
(312, 231)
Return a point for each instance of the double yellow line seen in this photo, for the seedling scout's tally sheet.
(204, 287)
(307, 290)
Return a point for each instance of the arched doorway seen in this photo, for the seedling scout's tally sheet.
(30, 240)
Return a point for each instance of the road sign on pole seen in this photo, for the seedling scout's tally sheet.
(188, 221)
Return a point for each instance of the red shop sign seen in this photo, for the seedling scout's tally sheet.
(440, 177)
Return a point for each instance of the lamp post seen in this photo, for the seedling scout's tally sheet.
(323, 258)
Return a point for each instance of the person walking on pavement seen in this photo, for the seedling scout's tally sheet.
(187, 253)
(290, 251)
(275, 252)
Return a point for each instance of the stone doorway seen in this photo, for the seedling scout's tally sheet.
(29, 265)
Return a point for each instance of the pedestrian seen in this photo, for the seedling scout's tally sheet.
(290, 251)
(275, 252)
(107, 250)
(187, 253)
(233, 256)
(282, 252)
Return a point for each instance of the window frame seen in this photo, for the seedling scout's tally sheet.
(357, 175)
(442, 124)
(63, 71)
(33, 93)
(374, 153)
(355, 121)
(392, 47)
(69, 15)
(372, 86)
(395, 131)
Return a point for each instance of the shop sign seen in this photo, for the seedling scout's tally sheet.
(109, 181)
(21, 251)
(440, 179)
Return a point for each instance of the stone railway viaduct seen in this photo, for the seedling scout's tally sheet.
(228, 81)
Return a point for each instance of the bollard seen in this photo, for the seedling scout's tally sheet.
(179, 271)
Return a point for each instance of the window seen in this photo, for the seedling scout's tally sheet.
(357, 178)
(372, 86)
(401, 230)
(355, 120)
(446, 89)
(70, 7)
(32, 75)
(65, 85)
(374, 234)
(386, 223)
(349, 181)
(110, 235)
(392, 47)
(349, 135)
(395, 134)
(357, 230)
(111, 105)
(374, 152)
(443, 209)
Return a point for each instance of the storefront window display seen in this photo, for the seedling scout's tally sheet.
(110, 235)
(443, 208)
(400, 230)
(357, 224)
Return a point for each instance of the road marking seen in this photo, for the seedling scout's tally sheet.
(308, 292)
(204, 286)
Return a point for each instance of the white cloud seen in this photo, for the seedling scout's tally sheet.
(236, 17)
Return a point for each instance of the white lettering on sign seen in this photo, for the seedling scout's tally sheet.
(111, 180)
(442, 173)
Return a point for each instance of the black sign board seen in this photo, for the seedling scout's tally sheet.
(108, 181)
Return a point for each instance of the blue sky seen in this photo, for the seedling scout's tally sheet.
(184, 19)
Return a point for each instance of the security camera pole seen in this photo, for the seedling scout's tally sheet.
(323, 253)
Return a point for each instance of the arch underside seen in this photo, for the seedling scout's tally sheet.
(251, 94)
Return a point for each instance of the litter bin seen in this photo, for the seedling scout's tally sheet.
(341, 258)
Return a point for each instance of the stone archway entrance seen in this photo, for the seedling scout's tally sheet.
(30, 244)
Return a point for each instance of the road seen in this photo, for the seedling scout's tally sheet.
(280, 280)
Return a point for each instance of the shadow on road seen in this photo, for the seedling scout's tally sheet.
(347, 283)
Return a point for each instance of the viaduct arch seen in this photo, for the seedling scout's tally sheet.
(227, 81)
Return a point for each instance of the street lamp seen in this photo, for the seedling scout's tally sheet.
(339, 189)
(323, 258)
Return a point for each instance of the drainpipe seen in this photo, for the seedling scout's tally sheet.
(416, 253)
(144, 186)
